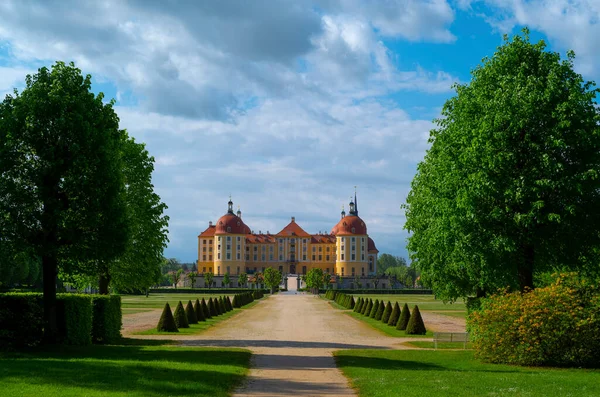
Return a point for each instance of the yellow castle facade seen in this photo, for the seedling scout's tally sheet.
(230, 246)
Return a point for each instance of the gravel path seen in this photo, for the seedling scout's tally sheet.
(292, 337)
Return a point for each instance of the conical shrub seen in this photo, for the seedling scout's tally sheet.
(212, 308)
(199, 311)
(222, 305)
(167, 322)
(395, 315)
(404, 317)
(235, 302)
(415, 325)
(190, 313)
(358, 305)
(368, 307)
(374, 309)
(180, 317)
(205, 309)
(387, 313)
(352, 303)
(380, 311)
(229, 305)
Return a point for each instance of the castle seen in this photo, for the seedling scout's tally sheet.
(230, 246)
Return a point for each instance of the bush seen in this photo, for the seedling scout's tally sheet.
(380, 311)
(222, 307)
(367, 308)
(212, 308)
(235, 302)
(357, 305)
(387, 313)
(199, 312)
(107, 318)
(374, 309)
(415, 325)
(74, 319)
(190, 313)
(404, 318)
(21, 320)
(167, 322)
(180, 317)
(228, 304)
(205, 309)
(395, 315)
(555, 325)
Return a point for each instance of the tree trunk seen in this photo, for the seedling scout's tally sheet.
(103, 282)
(50, 270)
(525, 269)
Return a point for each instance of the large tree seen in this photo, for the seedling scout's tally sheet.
(272, 278)
(511, 184)
(139, 267)
(61, 185)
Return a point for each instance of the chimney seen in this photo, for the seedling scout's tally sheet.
(293, 219)
(209, 223)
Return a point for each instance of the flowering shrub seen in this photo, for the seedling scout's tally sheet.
(555, 325)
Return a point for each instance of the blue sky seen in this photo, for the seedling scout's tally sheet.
(284, 105)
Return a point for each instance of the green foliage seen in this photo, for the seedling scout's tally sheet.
(368, 307)
(226, 280)
(228, 304)
(387, 261)
(272, 278)
(208, 279)
(509, 187)
(199, 312)
(351, 304)
(235, 302)
(21, 322)
(395, 315)
(556, 325)
(212, 307)
(167, 322)
(74, 319)
(404, 318)
(243, 279)
(380, 311)
(180, 316)
(107, 319)
(222, 308)
(314, 279)
(192, 276)
(62, 185)
(358, 306)
(374, 309)
(385, 317)
(190, 313)
(205, 309)
(415, 325)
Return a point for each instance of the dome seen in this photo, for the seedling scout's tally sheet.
(351, 224)
(232, 224)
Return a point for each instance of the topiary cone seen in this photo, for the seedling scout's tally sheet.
(180, 317)
(190, 313)
(352, 303)
(358, 306)
(222, 305)
(387, 313)
(199, 311)
(374, 309)
(205, 309)
(167, 322)
(415, 325)
(404, 317)
(229, 305)
(395, 315)
(367, 310)
(212, 308)
(380, 311)
(235, 302)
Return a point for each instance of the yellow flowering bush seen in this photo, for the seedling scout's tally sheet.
(555, 325)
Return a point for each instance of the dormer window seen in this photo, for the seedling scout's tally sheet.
(228, 229)
(353, 230)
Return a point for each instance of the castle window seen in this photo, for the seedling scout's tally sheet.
(239, 256)
(238, 239)
(343, 248)
(247, 257)
(210, 241)
(342, 258)
(280, 257)
(228, 238)
(353, 271)
(303, 257)
(210, 257)
(203, 249)
(219, 247)
(354, 248)
(353, 257)
(228, 247)
(363, 257)
(239, 223)
(203, 257)
(239, 247)
(353, 238)
(327, 258)
(320, 258)
(263, 257)
(228, 230)
(353, 231)
(320, 249)
(363, 271)
(255, 257)
(342, 272)
(314, 257)
(219, 256)
(228, 256)
(314, 249)
(327, 249)
(255, 248)
(219, 238)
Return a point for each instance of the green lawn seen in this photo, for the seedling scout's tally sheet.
(197, 328)
(139, 368)
(440, 345)
(387, 329)
(425, 303)
(157, 301)
(410, 373)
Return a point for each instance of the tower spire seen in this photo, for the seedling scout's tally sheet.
(355, 202)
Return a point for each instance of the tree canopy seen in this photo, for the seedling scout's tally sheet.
(272, 278)
(510, 186)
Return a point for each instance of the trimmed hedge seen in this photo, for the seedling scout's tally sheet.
(205, 309)
(205, 290)
(374, 309)
(405, 291)
(106, 318)
(166, 323)
(387, 313)
(199, 312)
(74, 319)
(367, 308)
(190, 313)
(21, 320)
(180, 317)
(415, 325)
(393, 320)
(404, 318)
(380, 311)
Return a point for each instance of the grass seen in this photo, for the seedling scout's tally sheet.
(134, 368)
(197, 328)
(411, 373)
(425, 303)
(386, 329)
(157, 301)
(440, 345)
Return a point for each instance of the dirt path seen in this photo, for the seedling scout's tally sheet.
(440, 323)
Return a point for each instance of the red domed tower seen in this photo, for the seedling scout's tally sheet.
(230, 242)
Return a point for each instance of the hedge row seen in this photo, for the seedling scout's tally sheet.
(216, 290)
(194, 313)
(379, 311)
(81, 319)
(404, 291)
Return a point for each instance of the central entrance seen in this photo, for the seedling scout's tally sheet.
(293, 269)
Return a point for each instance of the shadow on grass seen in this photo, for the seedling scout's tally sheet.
(243, 343)
(135, 370)
(145, 342)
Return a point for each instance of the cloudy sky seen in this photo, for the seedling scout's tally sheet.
(285, 105)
